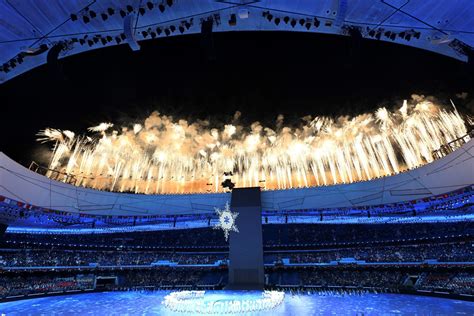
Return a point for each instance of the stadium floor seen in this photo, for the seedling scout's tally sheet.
(149, 303)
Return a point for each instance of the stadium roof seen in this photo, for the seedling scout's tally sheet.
(32, 31)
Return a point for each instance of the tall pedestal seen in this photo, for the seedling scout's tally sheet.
(246, 247)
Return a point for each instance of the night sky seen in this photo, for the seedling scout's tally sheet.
(261, 74)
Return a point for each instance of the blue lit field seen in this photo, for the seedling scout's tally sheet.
(149, 303)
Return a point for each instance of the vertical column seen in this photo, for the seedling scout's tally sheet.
(246, 247)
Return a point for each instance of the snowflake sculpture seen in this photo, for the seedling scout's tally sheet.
(226, 220)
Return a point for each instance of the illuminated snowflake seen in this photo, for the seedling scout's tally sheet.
(226, 220)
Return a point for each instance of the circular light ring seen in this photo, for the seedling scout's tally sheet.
(226, 220)
(193, 302)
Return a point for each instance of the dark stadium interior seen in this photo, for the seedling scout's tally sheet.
(403, 232)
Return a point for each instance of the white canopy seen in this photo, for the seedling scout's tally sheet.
(30, 28)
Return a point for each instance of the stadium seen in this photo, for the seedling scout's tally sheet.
(352, 206)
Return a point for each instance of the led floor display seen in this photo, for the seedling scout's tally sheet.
(150, 303)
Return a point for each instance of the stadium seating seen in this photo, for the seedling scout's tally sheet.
(319, 257)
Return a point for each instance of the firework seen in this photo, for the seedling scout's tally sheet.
(164, 155)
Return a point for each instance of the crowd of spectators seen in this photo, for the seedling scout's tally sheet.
(274, 235)
(337, 234)
(171, 278)
(44, 282)
(354, 278)
(444, 252)
(451, 242)
(321, 279)
(26, 284)
(300, 243)
(165, 239)
(455, 281)
(55, 258)
(459, 283)
(462, 251)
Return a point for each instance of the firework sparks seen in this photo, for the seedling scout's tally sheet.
(163, 155)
